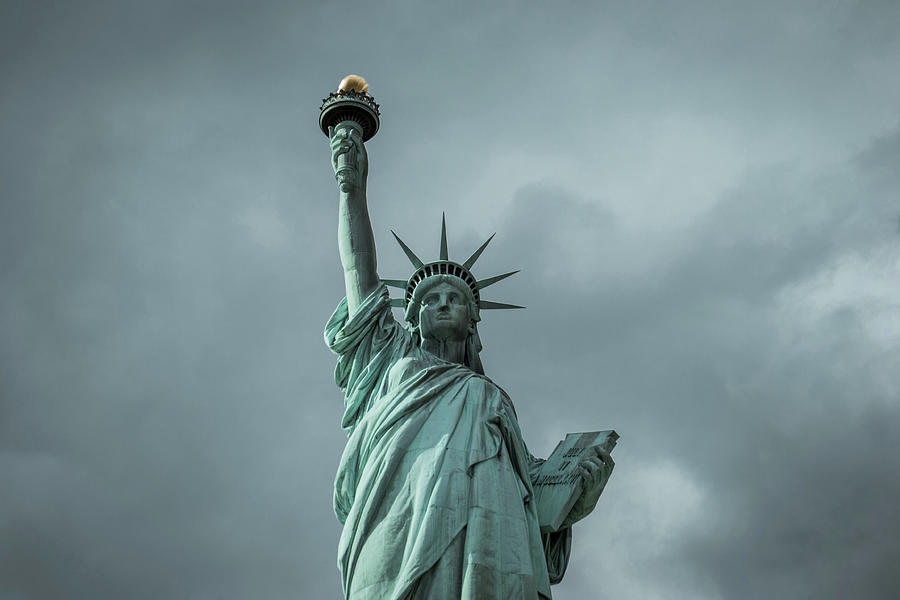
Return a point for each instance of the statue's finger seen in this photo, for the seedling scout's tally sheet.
(591, 478)
(330, 131)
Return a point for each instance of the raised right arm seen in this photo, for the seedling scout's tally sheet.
(356, 242)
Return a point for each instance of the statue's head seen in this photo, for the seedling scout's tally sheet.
(443, 308)
(443, 298)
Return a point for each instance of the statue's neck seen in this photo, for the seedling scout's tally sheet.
(449, 350)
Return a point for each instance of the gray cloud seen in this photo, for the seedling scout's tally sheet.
(702, 200)
(786, 428)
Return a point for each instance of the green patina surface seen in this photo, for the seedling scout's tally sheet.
(435, 487)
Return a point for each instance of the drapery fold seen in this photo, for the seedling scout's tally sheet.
(434, 459)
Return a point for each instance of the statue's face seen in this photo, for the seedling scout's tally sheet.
(444, 313)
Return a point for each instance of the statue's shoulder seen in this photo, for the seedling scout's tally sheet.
(492, 385)
(500, 394)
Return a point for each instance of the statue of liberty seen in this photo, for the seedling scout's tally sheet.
(436, 487)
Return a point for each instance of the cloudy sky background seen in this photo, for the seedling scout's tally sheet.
(702, 197)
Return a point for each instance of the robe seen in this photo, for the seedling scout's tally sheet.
(433, 487)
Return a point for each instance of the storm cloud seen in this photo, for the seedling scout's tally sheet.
(702, 198)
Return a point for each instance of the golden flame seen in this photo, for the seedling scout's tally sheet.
(353, 82)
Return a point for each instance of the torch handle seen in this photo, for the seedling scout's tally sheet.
(346, 171)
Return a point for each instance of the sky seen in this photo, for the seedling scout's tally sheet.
(702, 198)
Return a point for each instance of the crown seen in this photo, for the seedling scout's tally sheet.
(445, 266)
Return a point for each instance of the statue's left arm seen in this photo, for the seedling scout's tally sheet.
(595, 471)
(557, 544)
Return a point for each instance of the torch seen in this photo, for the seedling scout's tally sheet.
(350, 107)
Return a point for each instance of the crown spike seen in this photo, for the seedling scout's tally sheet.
(471, 260)
(416, 262)
(487, 304)
(444, 254)
(492, 280)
